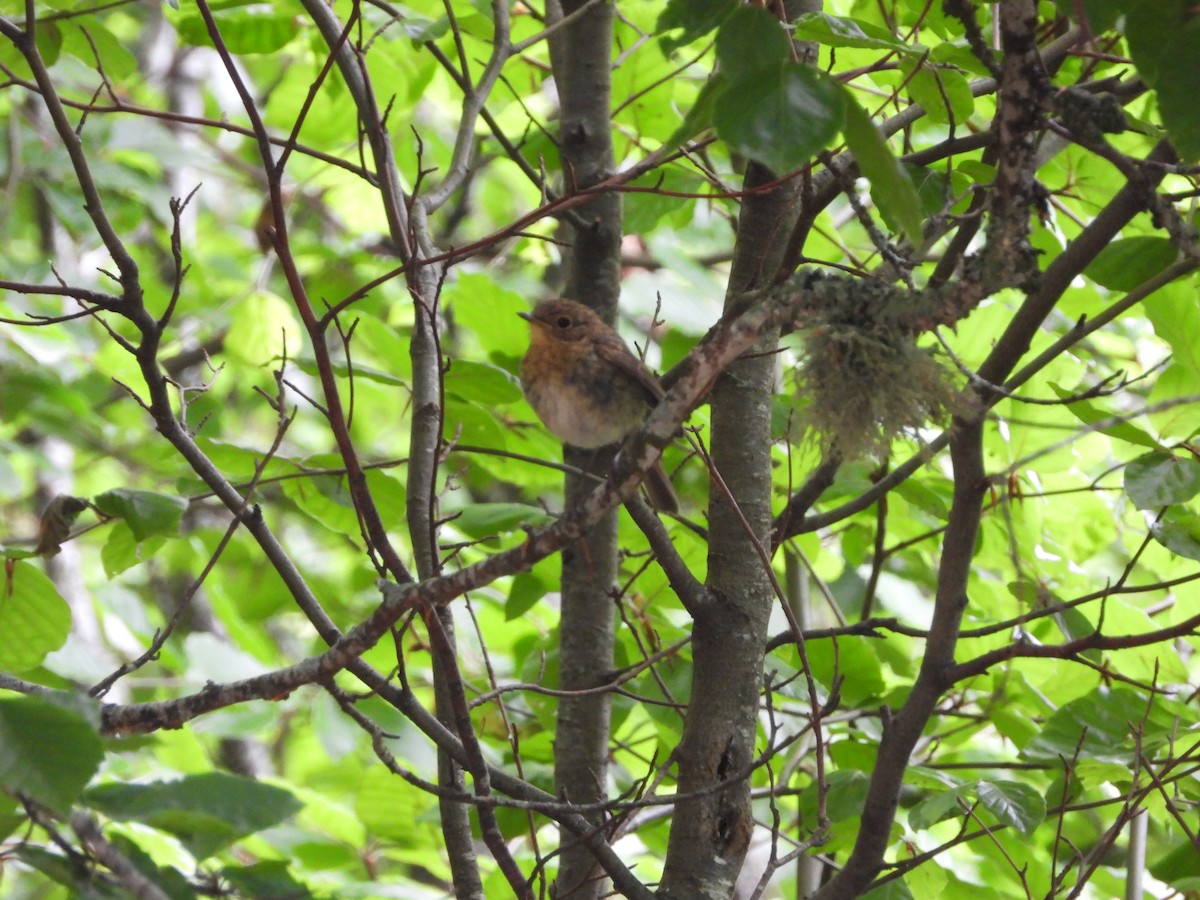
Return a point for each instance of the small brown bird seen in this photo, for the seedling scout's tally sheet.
(585, 385)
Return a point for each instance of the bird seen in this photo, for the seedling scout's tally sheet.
(586, 386)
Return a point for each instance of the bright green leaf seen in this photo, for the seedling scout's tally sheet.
(147, 513)
(241, 32)
(481, 520)
(1178, 863)
(262, 326)
(123, 551)
(1087, 411)
(34, 618)
(699, 116)
(847, 791)
(119, 62)
(944, 93)
(488, 311)
(390, 808)
(481, 383)
(49, 42)
(1175, 314)
(842, 31)
(890, 185)
(1126, 263)
(1175, 391)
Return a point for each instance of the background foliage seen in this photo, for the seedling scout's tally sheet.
(173, 717)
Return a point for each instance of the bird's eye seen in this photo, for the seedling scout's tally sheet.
(563, 322)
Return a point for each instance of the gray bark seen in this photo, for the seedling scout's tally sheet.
(580, 54)
(711, 831)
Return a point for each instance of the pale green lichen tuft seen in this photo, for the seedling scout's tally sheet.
(867, 385)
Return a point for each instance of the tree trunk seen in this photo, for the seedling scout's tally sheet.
(580, 54)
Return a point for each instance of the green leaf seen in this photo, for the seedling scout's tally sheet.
(1179, 863)
(780, 118)
(857, 663)
(147, 513)
(206, 812)
(1126, 263)
(1087, 411)
(1179, 531)
(392, 809)
(472, 423)
(1175, 314)
(423, 29)
(751, 42)
(481, 520)
(699, 116)
(891, 186)
(327, 501)
(943, 92)
(1013, 803)
(528, 588)
(481, 382)
(1175, 390)
(10, 818)
(842, 31)
(34, 618)
(170, 880)
(695, 18)
(1074, 626)
(123, 551)
(308, 364)
(48, 750)
(119, 62)
(489, 312)
(55, 867)
(262, 326)
(269, 878)
(1014, 725)
(847, 791)
(242, 32)
(1164, 41)
(49, 42)
(938, 807)
(1161, 479)
(922, 496)
(1099, 726)
(896, 889)
(1101, 14)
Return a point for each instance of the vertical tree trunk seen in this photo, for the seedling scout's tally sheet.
(580, 54)
(711, 831)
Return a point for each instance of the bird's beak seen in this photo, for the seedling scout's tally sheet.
(528, 317)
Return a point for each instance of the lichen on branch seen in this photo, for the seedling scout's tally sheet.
(863, 377)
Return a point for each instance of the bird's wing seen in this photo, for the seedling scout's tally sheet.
(614, 351)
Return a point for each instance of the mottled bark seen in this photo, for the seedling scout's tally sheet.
(581, 56)
(711, 830)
